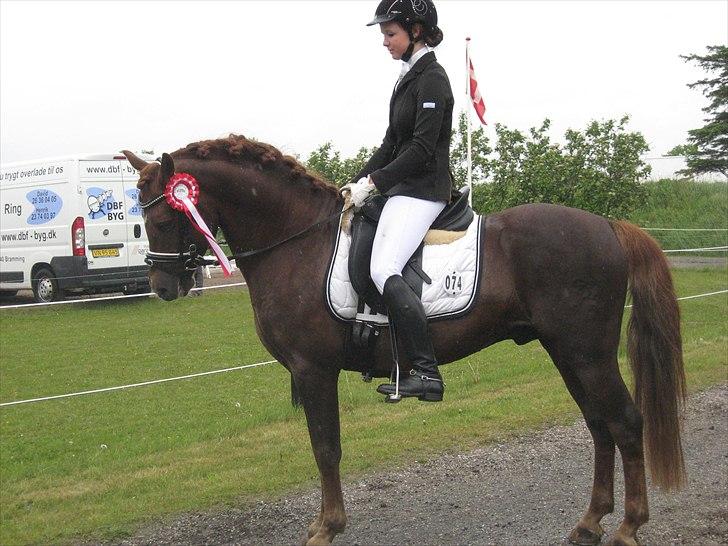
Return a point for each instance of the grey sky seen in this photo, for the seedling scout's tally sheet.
(102, 76)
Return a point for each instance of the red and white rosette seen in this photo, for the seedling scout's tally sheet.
(183, 193)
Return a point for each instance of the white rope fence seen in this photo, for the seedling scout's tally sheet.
(703, 295)
(682, 229)
(156, 381)
(707, 249)
(695, 232)
(108, 298)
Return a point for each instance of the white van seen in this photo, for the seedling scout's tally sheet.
(71, 224)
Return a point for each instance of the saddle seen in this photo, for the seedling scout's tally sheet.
(455, 217)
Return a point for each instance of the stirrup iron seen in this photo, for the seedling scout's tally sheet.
(396, 397)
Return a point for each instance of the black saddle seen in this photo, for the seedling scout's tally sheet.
(456, 216)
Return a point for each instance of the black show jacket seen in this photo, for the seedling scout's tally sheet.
(414, 158)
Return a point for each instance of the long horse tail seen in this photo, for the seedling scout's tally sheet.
(654, 346)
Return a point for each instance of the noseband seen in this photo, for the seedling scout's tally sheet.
(191, 259)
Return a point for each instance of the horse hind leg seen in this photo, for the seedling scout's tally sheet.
(627, 433)
(588, 530)
(318, 521)
(610, 404)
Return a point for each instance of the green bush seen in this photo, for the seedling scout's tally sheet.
(598, 170)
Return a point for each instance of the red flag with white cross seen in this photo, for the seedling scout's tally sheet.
(478, 102)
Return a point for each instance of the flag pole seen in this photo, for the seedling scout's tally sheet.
(467, 116)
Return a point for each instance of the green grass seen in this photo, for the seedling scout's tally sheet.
(686, 204)
(98, 466)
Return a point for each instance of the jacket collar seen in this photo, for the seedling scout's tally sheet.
(417, 56)
(417, 69)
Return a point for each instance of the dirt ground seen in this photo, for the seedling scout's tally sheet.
(530, 490)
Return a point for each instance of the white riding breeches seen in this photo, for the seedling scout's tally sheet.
(402, 227)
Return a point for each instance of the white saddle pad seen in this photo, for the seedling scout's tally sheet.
(454, 269)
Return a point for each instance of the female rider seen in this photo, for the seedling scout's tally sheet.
(412, 168)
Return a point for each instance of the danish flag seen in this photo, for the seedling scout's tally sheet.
(478, 102)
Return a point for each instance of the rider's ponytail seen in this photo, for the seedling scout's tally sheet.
(433, 36)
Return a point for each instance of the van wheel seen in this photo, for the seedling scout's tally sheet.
(45, 286)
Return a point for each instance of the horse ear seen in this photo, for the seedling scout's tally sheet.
(167, 167)
(135, 161)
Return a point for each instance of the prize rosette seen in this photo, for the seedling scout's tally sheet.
(179, 187)
(182, 193)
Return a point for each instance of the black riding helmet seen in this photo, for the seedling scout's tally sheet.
(406, 13)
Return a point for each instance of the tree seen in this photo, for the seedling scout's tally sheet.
(328, 163)
(480, 150)
(683, 150)
(710, 142)
(598, 169)
(606, 167)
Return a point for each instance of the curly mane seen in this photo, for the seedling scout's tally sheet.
(243, 150)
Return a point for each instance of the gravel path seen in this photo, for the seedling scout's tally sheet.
(531, 490)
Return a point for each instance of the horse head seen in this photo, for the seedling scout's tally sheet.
(173, 242)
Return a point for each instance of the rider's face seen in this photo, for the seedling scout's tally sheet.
(396, 39)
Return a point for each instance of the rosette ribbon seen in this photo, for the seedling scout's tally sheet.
(183, 193)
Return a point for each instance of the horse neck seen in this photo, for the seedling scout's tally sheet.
(261, 208)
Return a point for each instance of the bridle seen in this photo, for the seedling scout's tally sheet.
(192, 259)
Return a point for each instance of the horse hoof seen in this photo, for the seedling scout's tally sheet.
(617, 540)
(318, 540)
(585, 537)
(313, 528)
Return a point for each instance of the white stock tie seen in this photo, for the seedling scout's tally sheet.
(405, 69)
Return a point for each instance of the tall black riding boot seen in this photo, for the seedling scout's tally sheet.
(406, 311)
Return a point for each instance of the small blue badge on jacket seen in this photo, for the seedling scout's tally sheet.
(428, 105)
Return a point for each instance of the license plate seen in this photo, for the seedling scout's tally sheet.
(105, 252)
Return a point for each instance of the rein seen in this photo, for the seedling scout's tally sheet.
(192, 258)
(251, 253)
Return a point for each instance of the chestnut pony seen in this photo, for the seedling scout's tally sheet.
(552, 274)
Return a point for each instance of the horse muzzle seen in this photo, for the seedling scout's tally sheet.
(169, 286)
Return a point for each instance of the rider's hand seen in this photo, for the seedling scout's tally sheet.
(361, 190)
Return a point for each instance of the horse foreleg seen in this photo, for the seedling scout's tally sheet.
(319, 392)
